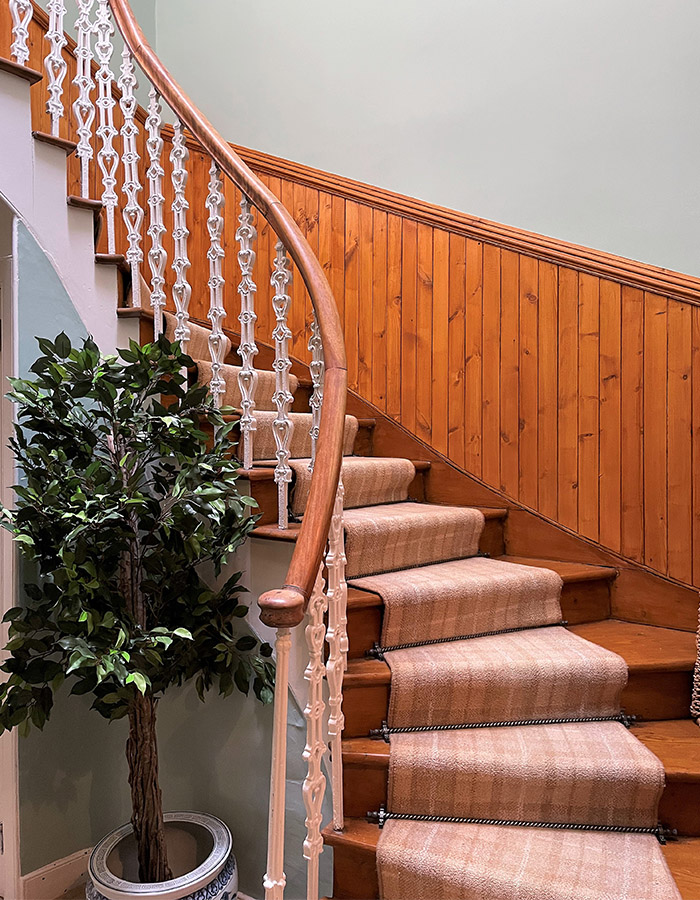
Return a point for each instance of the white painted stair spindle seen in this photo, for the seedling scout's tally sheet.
(179, 155)
(55, 65)
(107, 156)
(133, 211)
(83, 106)
(314, 787)
(337, 639)
(275, 879)
(317, 369)
(215, 254)
(157, 256)
(21, 12)
(247, 376)
(283, 398)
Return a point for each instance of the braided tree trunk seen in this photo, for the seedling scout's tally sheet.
(146, 799)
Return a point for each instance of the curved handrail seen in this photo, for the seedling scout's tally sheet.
(284, 607)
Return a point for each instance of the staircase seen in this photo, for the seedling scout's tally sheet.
(622, 731)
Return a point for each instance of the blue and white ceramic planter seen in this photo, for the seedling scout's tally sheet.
(200, 852)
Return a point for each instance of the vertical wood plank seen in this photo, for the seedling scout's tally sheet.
(589, 381)
(352, 289)
(474, 399)
(510, 365)
(548, 378)
(632, 389)
(655, 412)
(528, 466)
(337, 270)
(424, 332)
(380, 303)
(680, 441)
(491, 371)
(610, 482)
(440, 349)
(364, 309)
(393, 322)
(409, 243)
(456, 349)
(695, 319)
(567, 451)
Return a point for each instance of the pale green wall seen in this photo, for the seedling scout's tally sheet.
(577, 120)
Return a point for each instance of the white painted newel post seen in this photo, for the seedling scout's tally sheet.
(247, 376)
(282, 425)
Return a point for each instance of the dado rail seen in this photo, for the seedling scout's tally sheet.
(90, 99)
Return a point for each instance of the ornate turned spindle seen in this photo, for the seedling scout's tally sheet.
(247, 376)
(337, 639)
(55, 65)
(83, 106)
(179, 155)
(314, 787)
(157, 257)
(283, 398)
(215, 254)
(275, 879)
(133, 211)
(21, 12)
(317, 368)
(107, 156)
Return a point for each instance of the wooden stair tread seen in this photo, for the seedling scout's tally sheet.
(113, 259)
(24, 72)
(682, 856)
(53, 140)
(568, 571)
(676, 742)
(94, 206)
(645, 648)
(366, 752)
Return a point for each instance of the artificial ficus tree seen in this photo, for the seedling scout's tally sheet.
(126, 503)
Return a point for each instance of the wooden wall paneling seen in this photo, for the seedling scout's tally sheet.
(297, 310)
(548, 385)
(632, 402)
(393, 317)
(655, 411)
(568, 407)
(313, 237)
(269, 247)
(528, 464)
(337, 273)
(325, 233)
(457, 355)
(695, 501)
(380, 306)
(680, 446)
(610, 481)
(352, 289)
(365, 339)
(473, 365)
(409, 263)
(510, 372)
(589, 404)
(491, 365)
(441, 381)
(424, 333)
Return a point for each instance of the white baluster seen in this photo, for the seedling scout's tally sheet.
(83, 107)
(157, 257)
(283, 398)
(314, 786)
(215, 254)
(275, 879)
(55, 65)
(107, 156)
(337, 638)
(133, 211)
(317, 368)
(21, 12)
(247, 376)
(182, 290)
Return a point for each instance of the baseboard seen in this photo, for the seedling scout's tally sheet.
(52, 881)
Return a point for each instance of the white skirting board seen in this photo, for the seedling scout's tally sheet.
(52, 881)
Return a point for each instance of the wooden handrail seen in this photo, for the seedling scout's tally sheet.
(282, 608)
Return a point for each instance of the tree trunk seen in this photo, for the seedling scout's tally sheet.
(146, 799)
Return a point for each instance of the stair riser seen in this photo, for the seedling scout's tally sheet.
(585, 601)
(354, 873)
(365, 788)
(648, 695)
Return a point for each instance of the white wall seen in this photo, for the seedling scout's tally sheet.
(577, 120)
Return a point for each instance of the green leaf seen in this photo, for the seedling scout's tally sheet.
(183, 633)
(139, 681)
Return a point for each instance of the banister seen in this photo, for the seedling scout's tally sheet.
(282, 608)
